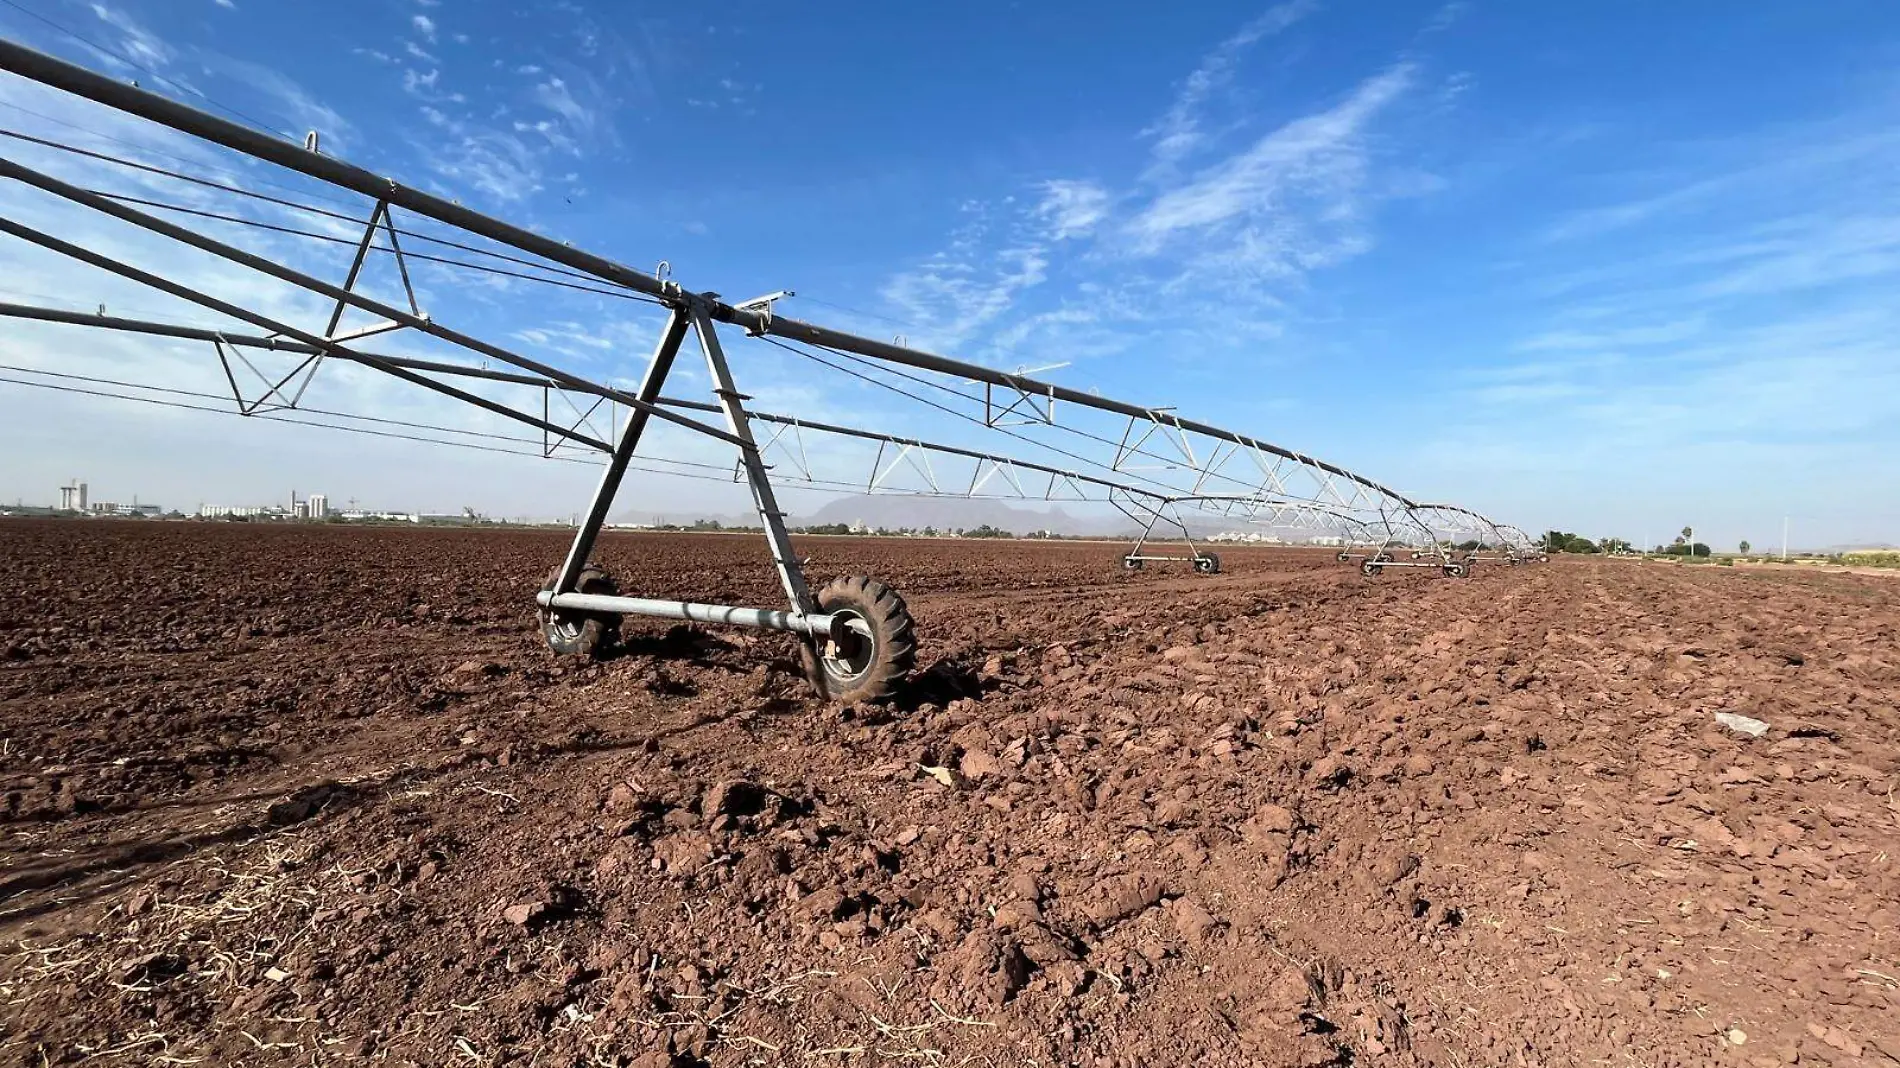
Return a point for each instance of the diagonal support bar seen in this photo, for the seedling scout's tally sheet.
(204, 300)
(104, 205)
(731, 401)
(650, 385)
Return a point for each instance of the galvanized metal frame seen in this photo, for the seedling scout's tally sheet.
(1034, 402)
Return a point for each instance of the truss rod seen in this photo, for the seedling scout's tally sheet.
(279, 344)
(105, 205)
(93, 86)
(48, 241)
(1110, 486)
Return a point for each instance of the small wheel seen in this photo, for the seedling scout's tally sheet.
(572, 633)
(1381, 558)
(1132, 563)
(1342, 557)
(1371, 568)
(1207, 564)
(1456, 569)
(877, 646)
(1417, 555)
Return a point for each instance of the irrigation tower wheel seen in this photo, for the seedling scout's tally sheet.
(1132, 563)
(572, 633)
(1341, 556)
(1371, 568)
(1456, 569)
(1207, 564)
(875, 648)
(1381, 558)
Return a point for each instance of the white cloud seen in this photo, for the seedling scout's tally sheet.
(141, 45)
(1289, 202)
(1071, 208)
(496, 164)
(288, 99)
(1623, 337)
(226, 4)
(417, 52)
(425, 26)
(968, 286)
(553, 94)
(1178, 133)
(418, 84)
(1250, 224)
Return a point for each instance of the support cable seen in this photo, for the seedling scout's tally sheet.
(716, 473)
(1077, 431)
(261, 126)
(124, 198)
(1171, 491)
(198, 394)
(150, 151)
(900, 391)
(309, 208)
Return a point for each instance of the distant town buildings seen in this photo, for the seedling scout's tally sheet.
(76, 497)
(105, 508)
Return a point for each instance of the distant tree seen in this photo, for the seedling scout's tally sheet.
(1558, 541)
(1615, 546)
(1744, 546)
(1700, 549)
(987, 531)
(1470, 546)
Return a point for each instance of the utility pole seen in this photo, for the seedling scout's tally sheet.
(1784, 539)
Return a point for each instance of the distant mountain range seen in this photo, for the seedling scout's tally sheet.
(893, 511)
(950, 513)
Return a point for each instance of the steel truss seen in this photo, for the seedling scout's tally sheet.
(1160, 463)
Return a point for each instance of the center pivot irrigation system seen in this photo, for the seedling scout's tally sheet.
(1159, 470)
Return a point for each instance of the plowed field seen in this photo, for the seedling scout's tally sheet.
(298, 796)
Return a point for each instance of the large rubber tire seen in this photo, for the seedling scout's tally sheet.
(1132, 563)
(1370, 568)
(1342, 557)
(1381, 558)
(582, 633)
(885, 647)
(1456, 569)
(1207, 564)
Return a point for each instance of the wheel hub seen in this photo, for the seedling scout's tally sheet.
(851, 650)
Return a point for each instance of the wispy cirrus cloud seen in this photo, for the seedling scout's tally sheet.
(1287, 202)
(1179, 131)
(1071, 208)
(1215, 213)
(1727, 318)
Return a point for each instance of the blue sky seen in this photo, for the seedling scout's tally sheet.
(1613, 267)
